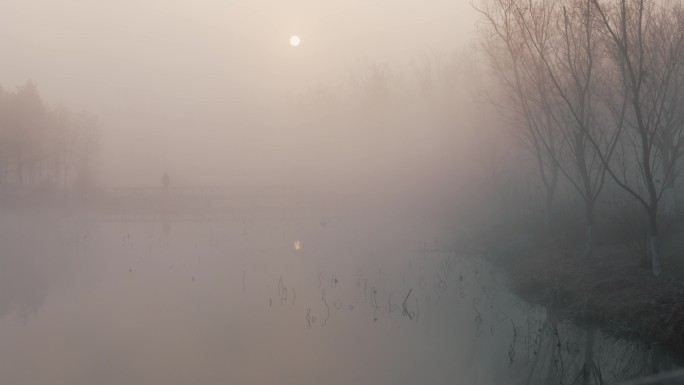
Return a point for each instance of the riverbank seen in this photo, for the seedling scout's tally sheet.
(612, 290)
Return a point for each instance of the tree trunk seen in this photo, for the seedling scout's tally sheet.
(655, 256)
(655, 246)
(588, 357)
(589, 241)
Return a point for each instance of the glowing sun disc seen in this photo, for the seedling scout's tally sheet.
(294, 40)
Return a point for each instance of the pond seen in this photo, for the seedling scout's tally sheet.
(325, 301)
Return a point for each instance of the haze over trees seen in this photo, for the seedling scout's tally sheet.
(44, 146)
(596, 88)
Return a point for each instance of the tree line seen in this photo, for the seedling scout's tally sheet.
(44, 146)
(596, 90)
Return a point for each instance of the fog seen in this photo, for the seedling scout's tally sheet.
(210, 87)
(212, 94)
(189, 198)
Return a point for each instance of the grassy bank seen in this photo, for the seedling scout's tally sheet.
(612, 290)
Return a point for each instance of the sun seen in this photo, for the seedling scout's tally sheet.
(294, 40)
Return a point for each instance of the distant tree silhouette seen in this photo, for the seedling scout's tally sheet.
(40, 144)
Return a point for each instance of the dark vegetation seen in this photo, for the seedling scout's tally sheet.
(612, 290)
(592, 226)
(595, 90)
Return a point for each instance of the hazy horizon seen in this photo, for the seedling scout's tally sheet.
(206, 88)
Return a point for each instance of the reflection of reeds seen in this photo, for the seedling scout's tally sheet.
(609, 292)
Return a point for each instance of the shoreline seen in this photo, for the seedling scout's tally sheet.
(611, 290)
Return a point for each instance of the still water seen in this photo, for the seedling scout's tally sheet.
(324, 301)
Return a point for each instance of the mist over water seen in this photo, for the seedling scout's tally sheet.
(357, 299)
(233, 302)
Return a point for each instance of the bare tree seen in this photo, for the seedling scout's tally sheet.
(645, 40)
(527, 87)
(616, 73)
(571, 60)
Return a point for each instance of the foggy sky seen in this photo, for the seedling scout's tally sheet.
(200, 87)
